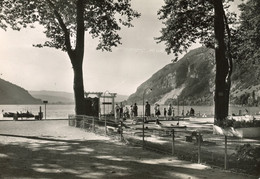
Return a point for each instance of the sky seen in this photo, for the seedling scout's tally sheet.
(120, 71)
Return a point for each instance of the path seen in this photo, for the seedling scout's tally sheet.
(52, 149)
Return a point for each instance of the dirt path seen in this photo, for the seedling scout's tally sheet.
(52, 149)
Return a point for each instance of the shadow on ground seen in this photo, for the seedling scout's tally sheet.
(45, 157)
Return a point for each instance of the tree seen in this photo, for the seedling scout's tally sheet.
(187, 21)
(247, 41)
(65, 24)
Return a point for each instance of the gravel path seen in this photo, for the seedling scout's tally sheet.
(52, 149)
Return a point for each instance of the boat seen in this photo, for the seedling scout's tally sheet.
(21, 115)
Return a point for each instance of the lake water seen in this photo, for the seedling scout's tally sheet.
(62, 111)
(52, 111)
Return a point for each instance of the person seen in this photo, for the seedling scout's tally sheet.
(170, 110)
(135, 110)
(117, 112)
(187, 113)
(192, 112)
(131, 112)
(126, 113)
(182, 112)
(121, 110)
(147, 111)
(157, 113)
(164, 113)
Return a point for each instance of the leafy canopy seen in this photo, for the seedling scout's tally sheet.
(248, 37)
(186, 22)
(102, 19)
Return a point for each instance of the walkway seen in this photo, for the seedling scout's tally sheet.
(52, 149)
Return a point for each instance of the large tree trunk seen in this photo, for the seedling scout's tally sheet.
(78, 87)
(76, 55)
(222, 87)
(77, 67)
(76, 58)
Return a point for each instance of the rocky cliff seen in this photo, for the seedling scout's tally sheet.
(191, 80)
(13, 94)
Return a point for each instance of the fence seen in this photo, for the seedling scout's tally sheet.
(196, 145)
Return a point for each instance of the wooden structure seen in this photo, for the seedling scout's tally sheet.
(104, 96)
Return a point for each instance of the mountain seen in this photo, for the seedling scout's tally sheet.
(58, 97)
(192, 80)
(121, 98)
(54, 97)
(13, 94)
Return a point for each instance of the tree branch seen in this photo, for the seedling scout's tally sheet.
(63, 27)
(80, 29)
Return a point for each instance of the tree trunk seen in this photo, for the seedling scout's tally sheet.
(222, 87)
(78, 87)
(77, 60)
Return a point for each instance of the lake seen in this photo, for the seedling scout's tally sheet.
(62, 111)
(52, 111)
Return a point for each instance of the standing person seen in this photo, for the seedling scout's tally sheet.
(164, 113)
(121, 110)
(147, 111)
(126, 112)
(170, 111)
(117, 113)
(157, 113)
(135, 110)
(131, 111)
(192, 112)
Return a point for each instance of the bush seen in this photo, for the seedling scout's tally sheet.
(238, 124)
(248, 157)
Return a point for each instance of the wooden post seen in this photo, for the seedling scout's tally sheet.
(143, 131)
(121, 130)
(84, 123)
(225, 164)
(173, 145)
(105, 124)
(199, 148)
(93, 124)
(40, 113)
(45, 102)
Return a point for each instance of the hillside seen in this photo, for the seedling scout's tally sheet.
(191, 79)
(13, 94)
(58, 97)
(54, 97)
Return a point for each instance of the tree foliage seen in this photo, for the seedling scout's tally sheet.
(186, 22)
(247, 39)
(205, 20)
(65, 24)
(102, 19)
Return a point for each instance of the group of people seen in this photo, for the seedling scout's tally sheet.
(168, 113)
(121, 112)
(125, 112)
(190, 112)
